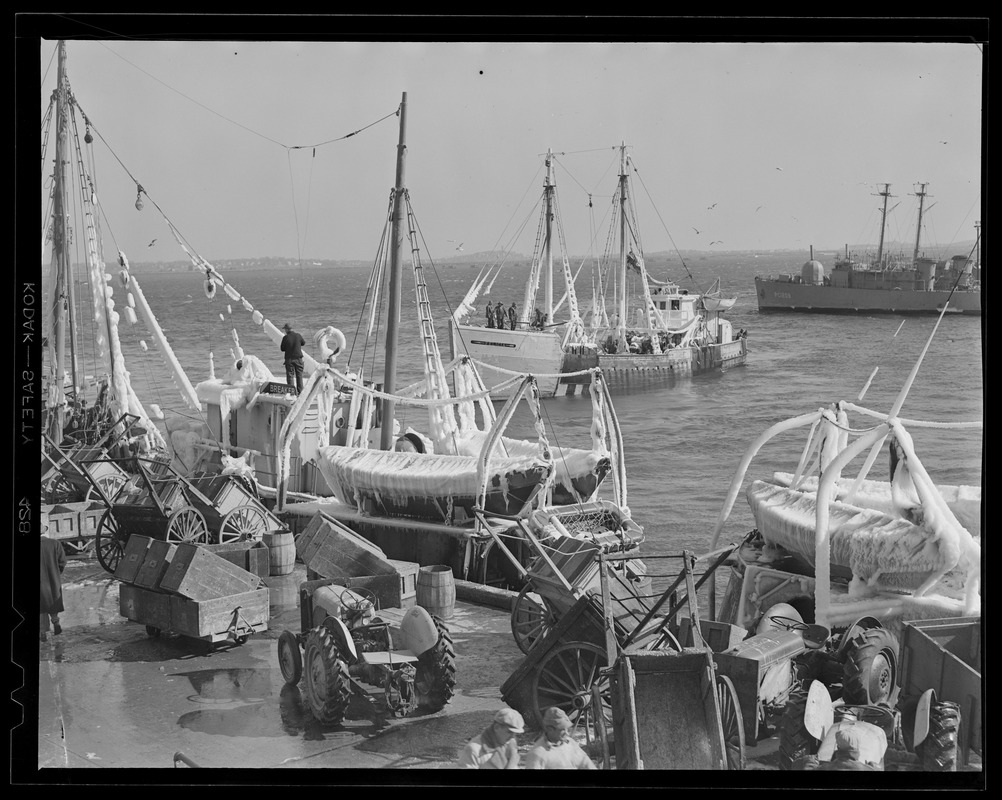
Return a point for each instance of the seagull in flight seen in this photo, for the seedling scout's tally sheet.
(710, 208)
(944, 142)
(458, 246)
(780, 169)
(697, 232)
(756, 210)
(718, 241)
(152, 243)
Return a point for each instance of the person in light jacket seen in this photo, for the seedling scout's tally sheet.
(495, 747)
(555, 749)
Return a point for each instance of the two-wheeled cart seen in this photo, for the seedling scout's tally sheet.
(161, 503)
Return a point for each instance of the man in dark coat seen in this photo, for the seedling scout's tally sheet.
(292, 346)
(490, 315)
(499, 314)
(512, 315)
(53, 562)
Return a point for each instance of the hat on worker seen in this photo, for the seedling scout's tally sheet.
(848, 742)
(511, 719)
(556, 717)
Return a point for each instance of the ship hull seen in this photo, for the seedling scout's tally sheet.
(540, 353)
(781, 296)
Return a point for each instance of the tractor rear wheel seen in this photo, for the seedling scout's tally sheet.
(938, 751)
(325, 678)
(869, 673)
(795, 743)
(435, 680)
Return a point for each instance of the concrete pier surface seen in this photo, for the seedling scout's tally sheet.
(111, 696)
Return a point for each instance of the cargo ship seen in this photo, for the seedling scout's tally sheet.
(921, 286)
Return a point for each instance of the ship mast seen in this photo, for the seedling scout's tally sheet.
(621, 286)
(921, 194)
(883, 223)
(548, 243)
(393, 323)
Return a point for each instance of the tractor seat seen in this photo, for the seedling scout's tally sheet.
(388, 658)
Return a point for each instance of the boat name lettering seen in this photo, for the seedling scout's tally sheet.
(492, 344)
(782, 295)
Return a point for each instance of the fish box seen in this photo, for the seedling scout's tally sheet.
(331, 550)
(155, 564)
(243, 613)
(132, 558)
(391, 591)
(145, 606)
(90, 517)
(199, 574)
(251, 556)
(64, 522)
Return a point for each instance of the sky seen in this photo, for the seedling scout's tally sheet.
(750, 146)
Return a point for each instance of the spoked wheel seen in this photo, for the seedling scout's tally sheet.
(187, 525)
(530, 619)
(241, 524)
(290, 660)
(109, 484)
(56, 489)
(325, 678)
(109, 542)
(870, 670)
(565, 678)
(731, 723)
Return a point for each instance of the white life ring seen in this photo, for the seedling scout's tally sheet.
(327, 355)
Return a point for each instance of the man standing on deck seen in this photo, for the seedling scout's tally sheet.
(50, 602)
(490, 315)
(555, 749)
(292, 346)
(495, 747)
(499, 314)
(512, 315)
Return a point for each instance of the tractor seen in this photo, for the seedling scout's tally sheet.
(345, 645)
(916, 732)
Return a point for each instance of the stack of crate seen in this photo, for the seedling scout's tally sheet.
(185, 588)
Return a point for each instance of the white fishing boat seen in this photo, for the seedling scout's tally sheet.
(672, 332)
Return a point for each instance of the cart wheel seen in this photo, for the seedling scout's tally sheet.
(109, 543)
(325, 678)
(241, 524)
(239, 640)
(530, 619)
(109, 484)
(290, 660)
(565, 678)
(187, 525)
(57, 489)
(435, 680)
(731, 723)
(153, 632)
(870, 669)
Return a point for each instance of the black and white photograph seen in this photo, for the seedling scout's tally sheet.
(504, 393)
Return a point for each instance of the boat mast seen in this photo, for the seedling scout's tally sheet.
(396, 248)
(977, 252)
(621, 287)
(548, 191)
(918, 228)
(60, 252)
(883, 222)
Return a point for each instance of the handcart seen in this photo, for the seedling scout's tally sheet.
(69, 474)
(161, 503)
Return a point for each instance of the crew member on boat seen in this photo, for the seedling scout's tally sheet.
(499, 314)
(490, 315)
(512, 315)
(292, 346)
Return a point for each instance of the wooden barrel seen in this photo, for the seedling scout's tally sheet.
(282, 549)
(436, 590)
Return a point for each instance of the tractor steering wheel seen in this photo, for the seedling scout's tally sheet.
(355, 603)
(791, 624)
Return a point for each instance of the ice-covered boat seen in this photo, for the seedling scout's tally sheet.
(839, 548)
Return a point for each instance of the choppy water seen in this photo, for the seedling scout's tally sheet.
(683, 440)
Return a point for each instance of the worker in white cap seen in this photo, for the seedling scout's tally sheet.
(495, 747)
(556, 749)
(856, 747)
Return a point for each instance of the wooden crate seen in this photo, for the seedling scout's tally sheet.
(213, 617)
(132, 558)
(64, 522)
(198, 574)
(332, 550)
(251, 556)
(145, 606)
(90, 517)
(392, 591)
(155, 564)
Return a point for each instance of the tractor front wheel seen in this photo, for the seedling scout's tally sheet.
(796, 745)
(938, 752)
(435, 680)
(325, 677)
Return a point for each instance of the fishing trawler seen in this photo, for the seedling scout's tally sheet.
(672, 333)
(921, 286)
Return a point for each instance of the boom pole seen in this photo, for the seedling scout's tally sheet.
(918, 228)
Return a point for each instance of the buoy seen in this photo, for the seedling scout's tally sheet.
(130, 315)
